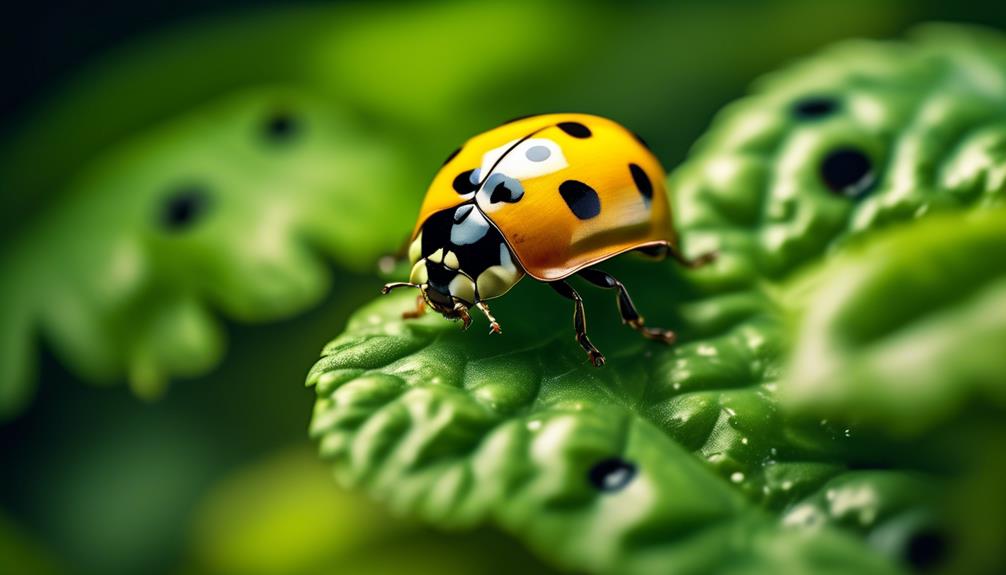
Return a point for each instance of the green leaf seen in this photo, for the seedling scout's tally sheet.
(905, 332)
(682, 458)
(661, 458)
(282, 515)
(89, 269)
(924, 121)
(212, 211)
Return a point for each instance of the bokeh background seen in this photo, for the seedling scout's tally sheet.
(211, 471)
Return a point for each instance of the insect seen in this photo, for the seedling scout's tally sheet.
(548, 196)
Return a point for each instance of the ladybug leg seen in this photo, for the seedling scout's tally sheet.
(579, 321)
(396, 285)
(419, 311)
(662, 251)
(462, 312)
(494, 326)
(630, 315)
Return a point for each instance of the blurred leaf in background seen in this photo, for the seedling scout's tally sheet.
(282, 516)
(140, 225)
(272, 105)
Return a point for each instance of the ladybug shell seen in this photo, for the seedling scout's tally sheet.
(588, 188)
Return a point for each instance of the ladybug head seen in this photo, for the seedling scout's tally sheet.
(438, 288)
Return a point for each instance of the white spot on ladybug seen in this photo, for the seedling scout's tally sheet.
(505, 260)
(462, 212)
(470, 226)
(497, 280)
(419, 274)
(451, 261)
(531, 158)
(416, 248)
(538, 153)
(462, 287)
(498, 190)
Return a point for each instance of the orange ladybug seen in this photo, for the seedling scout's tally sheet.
(547, 196)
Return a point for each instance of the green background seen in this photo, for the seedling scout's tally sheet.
(96, 480)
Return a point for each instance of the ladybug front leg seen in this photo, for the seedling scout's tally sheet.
(494, 326)
(579, 321)
(419, 311)
(630, 315)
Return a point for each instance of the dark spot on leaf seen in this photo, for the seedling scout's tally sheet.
(575, 129)
(281, 127)
(927, 549)
(643, 183)
(451, 157)
(814, 107)
(463, 183)
(848, 171)
(581, 199)
(611, 474)
(184, 207)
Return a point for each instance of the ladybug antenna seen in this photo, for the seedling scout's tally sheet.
(394, 285)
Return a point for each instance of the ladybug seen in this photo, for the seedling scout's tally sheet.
(548, 196)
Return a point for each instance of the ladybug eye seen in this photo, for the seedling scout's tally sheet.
(814, 107)
(848, 172)
(280, 127)
(184, 207)
(612, 474)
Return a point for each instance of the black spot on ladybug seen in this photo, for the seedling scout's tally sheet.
(575, 129)
(927, 549)
(281, 127)
(643, 183)
(814, 107)
(581, 199)
(500, 193)
(451, 156)
(612, 474)
(184, 207)
(642, 141)
(463, 183)
(848, 171)
(518, 118)
(475, 257)
(501, 188)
